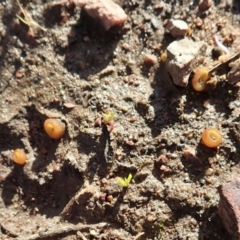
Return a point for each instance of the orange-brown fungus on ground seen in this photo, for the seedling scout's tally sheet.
(19, 156)
(211, 137)
(54, 128)
(200, 78)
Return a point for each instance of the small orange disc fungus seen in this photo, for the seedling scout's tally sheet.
(54, 128)
(19, 156)
(211, 137)
(199, 81)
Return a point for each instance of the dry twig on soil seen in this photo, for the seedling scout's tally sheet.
(230, 59)
(78, 198)
(61, 230)
(33, 26)
(139, 235)
(8, 231)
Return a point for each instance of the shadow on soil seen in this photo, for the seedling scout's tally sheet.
(90, 47)
(48, 198)
(99, 151)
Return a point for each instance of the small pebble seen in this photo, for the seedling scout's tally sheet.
(150, 59)
(177, 28)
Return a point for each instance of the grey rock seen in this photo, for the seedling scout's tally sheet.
(182, 57)
(156, 23)
(177, 28)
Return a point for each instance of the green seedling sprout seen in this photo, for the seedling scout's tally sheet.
(108, 117)
(158, 229)
(126, 181)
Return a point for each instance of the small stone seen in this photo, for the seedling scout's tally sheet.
(189, 152)
(205, 4)
(209, 172)
(93, 233)
(174, 155)
(106, 11)
(150, 218)
(228, 208)
(150, 59)
(19, 74)
(156, 23)
(180, 166)
(183, 56)
(69, 105)
(126, 46)
(98, 122)
(107, 71)
(104, 181)
(233, 75)
(130, 143)
(163, 168)
(162, 159)
(177, 28)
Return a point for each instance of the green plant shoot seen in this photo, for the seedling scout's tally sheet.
(108, 117)
(126, 181)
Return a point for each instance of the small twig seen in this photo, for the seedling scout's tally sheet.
(8, 231)
(28, 20)
(230, 59)
(81, 235)
(139, 235)
(219, 44)
(78, 198)
(151, 141)
(62, 230)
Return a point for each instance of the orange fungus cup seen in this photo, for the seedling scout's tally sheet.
(19, 156)
(54, 128)
(211, 137)
(200, 78)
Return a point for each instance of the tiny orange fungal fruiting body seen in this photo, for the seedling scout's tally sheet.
(19, 156)
(199, 81)
(211, 137)
(54, 128)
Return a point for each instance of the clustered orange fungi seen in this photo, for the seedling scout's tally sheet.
(200, 78)
(211, 137)
(54, 128)
(19, 156)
